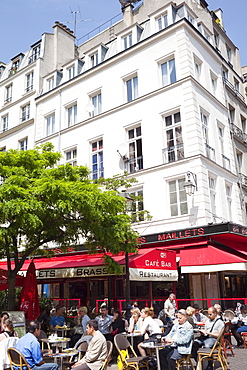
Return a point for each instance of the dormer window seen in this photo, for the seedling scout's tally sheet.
(162, 22)
(50, 83)
(16, 61)
(35, 52)
(2, 68)
(94, 58)
(127, 41)
(71, 72)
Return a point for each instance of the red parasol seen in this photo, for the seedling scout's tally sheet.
(4, 280)
(29, 300)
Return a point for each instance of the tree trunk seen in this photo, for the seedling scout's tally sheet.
(11, 291)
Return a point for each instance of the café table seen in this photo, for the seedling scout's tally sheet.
(63, 331)
(56, 341)
(61, 355)
(156, 346)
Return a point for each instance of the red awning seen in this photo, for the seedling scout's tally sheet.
(234, 241)
(210, 258)
(4, 280)
(160, 261)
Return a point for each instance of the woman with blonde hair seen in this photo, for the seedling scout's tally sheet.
(135, 320)
(149, 325)
(8, 330)
(190, 312)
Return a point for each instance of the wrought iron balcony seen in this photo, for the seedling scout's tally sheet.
(173, 153)
(226, 162)
(243, 179)
(238, 133)
(134, 164)
(210, 152)
(233, 89)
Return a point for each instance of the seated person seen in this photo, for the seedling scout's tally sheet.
(58, 319)
(135, 320)
(149, 325)
(81, 325)
(190, 312)
(8, 330)
(97, 349)
(179, 342)
(29, 346)
(198, 316)
(104, 320)
(209, 335)
(118, 324)
(240, 320)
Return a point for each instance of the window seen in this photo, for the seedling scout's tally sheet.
(29, 82)
(198, 68)
(213, 82)
(132, 88)
(94, 59)
(190, 18)
(162, 22)
(173, 137)
(236, 85)
(5, 122)
(135, 162)
(35, 53)
(97, 103)
(229, 201)
(243, 123)
(206, 35)
(50, 124)
(71, 72)
(228, 53)
(15, 66)
(216, 40)
(204, 121)
(137, 206)
(127, 41)
(25, 112)
(8, 93)
(178, 198)
(23, 144)
(71, 157)
(72, 115)
(199, 26)
(97, 159)
(239, 157)
(224, 74)
(168, 72)
(212, 189)
(50, 83)
(231, 114)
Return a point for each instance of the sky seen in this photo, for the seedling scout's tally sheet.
(22, 22)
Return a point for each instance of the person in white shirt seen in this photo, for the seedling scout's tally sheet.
(149, 325)
(135, 320)
(170, 307)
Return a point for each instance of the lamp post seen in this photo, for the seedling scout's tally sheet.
(191, 186)
(129, 201)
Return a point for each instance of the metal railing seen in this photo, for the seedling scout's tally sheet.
(210, 152)
(173, 153)
(233, 89)
(226, 162)
(243, 179)
(134, 164)
(33, 57)
(237, 132)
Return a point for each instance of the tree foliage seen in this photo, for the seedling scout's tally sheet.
(43, 203)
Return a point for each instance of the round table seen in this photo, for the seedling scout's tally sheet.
(61, 356)
(131, 336)
(156, 346)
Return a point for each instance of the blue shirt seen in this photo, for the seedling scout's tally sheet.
(29, 346)
(57, 320)
(84, 322)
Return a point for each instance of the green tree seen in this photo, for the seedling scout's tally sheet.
(42, 203)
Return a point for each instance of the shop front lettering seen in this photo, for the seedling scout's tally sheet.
(46, 273)
(150, 274)
(157, 263)
(181, 234)
(91, 272)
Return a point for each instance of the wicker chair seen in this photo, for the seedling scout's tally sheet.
(108, 358)
(128, 362)
(214, 354)
(226, 339)
(244, 336)
(16, 359)
(184, 363)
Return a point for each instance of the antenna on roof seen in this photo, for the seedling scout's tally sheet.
(75, 21)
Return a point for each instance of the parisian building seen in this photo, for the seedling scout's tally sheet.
(161, 95)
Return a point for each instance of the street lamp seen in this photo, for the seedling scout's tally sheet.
(129, 202)
(190, 186)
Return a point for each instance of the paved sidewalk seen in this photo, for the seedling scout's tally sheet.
(238, 362)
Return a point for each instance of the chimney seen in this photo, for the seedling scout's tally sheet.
(128, 15)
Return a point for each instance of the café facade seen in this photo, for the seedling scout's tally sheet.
(194, 263)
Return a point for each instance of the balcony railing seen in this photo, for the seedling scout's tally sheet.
(33, 57)
(173, 153)
(13, 70)
(226, 162)
(243, 179)
(134, 164)
(97, 174)
(210, 152)
(233, 88)
(237, 132)
(29, 88)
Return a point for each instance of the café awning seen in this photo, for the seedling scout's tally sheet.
(4, 280)
(150, 264)
(209, 258)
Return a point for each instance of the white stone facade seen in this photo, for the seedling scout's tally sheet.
(150, 86)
